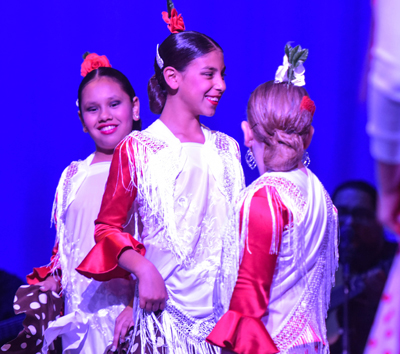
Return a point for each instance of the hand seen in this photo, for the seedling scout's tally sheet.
(50, 283)
(123, 322)
(152, 291)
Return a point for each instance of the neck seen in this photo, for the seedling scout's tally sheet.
(181, 122)
(262, 169)
(102, 156)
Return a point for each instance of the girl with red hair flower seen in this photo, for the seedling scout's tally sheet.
(108, 111)
(181, 178)
(280, 249)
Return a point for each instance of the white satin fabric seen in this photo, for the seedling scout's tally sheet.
(288, 283)
(306, 262)
(200, 210)
(91, 307)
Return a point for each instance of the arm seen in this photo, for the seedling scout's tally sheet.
(102, 262)
(389, 199)
(117, 253)
(241, 330)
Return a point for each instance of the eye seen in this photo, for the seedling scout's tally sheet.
(208, 74)
(91, 109)
(115, 103)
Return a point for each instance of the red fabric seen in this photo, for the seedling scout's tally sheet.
(41, 273)
(241, 329)
(101, 263)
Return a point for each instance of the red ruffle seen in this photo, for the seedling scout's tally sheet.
(101, 263)
(242, 334)
(38, 275)
(41, 273)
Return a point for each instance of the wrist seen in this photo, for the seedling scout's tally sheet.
(143, 269)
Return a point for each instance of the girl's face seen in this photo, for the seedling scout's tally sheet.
(107, 113)
(202, 84)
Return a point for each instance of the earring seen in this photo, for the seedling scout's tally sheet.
(306, 159)
(249, 157)
(137, 116)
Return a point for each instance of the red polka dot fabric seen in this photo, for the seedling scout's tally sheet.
(40, 309)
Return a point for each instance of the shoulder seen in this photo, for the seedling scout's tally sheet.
(226, 143)
(73, 168)
(142, 139)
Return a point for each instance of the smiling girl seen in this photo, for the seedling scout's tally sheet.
(108, 110)
(181, 178)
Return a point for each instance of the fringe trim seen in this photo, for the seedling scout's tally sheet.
(58, 217)
(154, 166)
(162, 335)
(317, 286)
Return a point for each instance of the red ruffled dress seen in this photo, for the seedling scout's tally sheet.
(241, 329)
(286, 233)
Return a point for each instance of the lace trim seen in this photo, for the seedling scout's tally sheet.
(318, 288)
(153, 171)
(152, 143)
(223, 146)
(58, 215)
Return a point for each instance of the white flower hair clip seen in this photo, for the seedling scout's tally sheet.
(159, 60)
(292, 70)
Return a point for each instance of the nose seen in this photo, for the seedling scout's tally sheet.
(105, 114)
(220, 84)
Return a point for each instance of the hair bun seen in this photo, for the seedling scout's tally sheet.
(157, 96)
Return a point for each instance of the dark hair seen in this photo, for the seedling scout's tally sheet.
(274, 112)
(360, 186)
(177, 50)
(115, 75)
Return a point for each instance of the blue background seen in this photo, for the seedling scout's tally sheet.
(42, 45)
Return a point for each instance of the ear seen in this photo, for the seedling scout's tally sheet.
(248, 134)
(136, 108)
(307, 141)
(85, 130)
(172, 77)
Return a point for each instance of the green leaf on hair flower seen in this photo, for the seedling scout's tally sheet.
(85, 55)
(170, 6)
(287, 49)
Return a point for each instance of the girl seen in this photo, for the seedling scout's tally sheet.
(108, 110)
(180, 177)
(283, 233)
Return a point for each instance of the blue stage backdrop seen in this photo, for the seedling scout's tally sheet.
(42, 47)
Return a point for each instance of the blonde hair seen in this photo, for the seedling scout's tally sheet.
(276, 118)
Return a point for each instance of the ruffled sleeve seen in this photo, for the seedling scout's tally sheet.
(101, 263)
(241, 329)
(41, 273)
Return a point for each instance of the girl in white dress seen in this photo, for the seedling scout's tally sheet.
(108, 110)
(180, 177)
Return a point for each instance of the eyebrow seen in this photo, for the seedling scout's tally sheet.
(109, 98)
(212, 68)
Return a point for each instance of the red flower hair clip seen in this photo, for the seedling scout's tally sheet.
(92, 61)
(172, 19)
(307, 104)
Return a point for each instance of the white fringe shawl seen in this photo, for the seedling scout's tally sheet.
(154, 168)
(318, 285)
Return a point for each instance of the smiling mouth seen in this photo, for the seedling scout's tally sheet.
(108, 129)
(213, 99)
